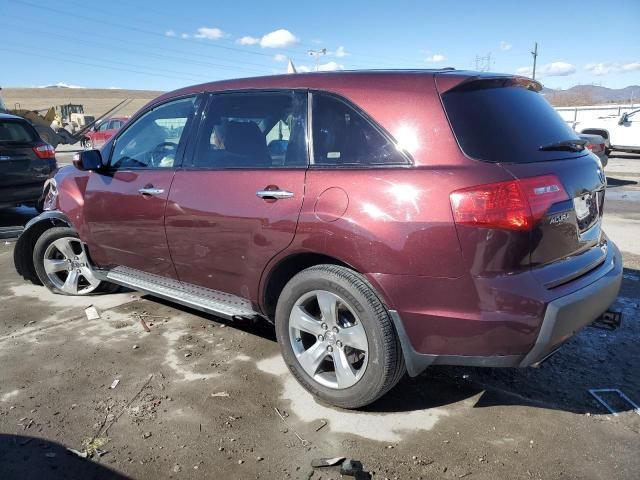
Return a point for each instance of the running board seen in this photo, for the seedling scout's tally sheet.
(204, 299)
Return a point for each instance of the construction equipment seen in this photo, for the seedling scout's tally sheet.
(61, 124)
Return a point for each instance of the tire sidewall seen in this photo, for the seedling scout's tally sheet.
(373, 380)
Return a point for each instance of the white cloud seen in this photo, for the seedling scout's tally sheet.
(323, 67)
(435, 58)
(170, 33)
(330, 67)
(554, 69)
(209, 33)
(279, 39)
(247, 40)
(280, 58)
(184, 35)
(340, 52)
(606, 68)
(505, 46)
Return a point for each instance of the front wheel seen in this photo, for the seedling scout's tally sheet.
(337, 338)
(62, 264)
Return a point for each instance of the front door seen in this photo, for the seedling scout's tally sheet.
(235, 203)
(125, 206)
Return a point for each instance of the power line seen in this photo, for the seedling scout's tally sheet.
(162, 35)
(107, 67)
(110, 47)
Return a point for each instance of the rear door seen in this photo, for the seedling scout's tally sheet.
(502, 121)
(19, 164)
(125, 206)
(235, 203)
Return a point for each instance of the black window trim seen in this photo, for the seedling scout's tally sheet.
(183, 144)
(374, 124)
(199, 131)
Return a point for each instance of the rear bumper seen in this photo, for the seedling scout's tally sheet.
(12, 196)
(562, 318)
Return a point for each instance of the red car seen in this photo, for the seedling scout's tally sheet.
(99, 134)
(382, 221)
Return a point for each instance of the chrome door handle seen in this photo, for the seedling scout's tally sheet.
(151, 191)
(277, 194)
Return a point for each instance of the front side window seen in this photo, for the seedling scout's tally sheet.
(343, 137)
(253, 130)
(152, 140)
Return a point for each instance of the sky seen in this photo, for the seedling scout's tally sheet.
(168, 44)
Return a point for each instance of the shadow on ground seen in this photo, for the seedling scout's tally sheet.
(592, 359)
(617, 182)
(23, 457)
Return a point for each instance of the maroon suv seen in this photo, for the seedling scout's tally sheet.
(383, 221)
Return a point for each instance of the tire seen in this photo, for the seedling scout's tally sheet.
(68, 270)
(352, 307)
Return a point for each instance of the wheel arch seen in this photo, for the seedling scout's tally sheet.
(284, 270)
(23, 251)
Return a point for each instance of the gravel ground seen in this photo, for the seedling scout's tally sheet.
(196, 397)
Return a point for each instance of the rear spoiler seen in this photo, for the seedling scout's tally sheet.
(457, 83)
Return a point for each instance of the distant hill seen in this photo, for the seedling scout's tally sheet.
(95, 101)
(591, 95)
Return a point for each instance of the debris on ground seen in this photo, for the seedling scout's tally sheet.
(115, 383)
(304, 442)
(597, 394)
(80, 454)
(220, 394)
(323, 423)
(92, 313)
(93, 446)
(326, 462)
(348, 467)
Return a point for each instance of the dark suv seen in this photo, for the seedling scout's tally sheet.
(26, 163)
(383, 221)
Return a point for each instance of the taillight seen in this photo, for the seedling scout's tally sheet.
(45, 151)
(512, 205)
(595, 147)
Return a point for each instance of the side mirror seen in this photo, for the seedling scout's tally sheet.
(623, 119)
(88, 160)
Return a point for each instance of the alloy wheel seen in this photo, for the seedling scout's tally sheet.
(328, 339)
(67, 267)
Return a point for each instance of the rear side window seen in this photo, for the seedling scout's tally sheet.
(505, 124)
(17, 132)
(253, 130)
(343, 137)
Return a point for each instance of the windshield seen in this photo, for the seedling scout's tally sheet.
(506, 124)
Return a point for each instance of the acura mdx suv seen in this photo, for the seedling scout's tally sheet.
(383, 221)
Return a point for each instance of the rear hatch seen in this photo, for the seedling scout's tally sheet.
(504, 120)
(19, 163)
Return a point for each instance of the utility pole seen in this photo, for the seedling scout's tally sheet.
(316, 54)
(534, 52)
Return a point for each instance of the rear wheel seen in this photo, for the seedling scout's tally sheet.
(63, 266)
(337, 338)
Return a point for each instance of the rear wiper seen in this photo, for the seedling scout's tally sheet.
(576, 145)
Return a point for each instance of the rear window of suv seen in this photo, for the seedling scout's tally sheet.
(16, 132)
(496, 123)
